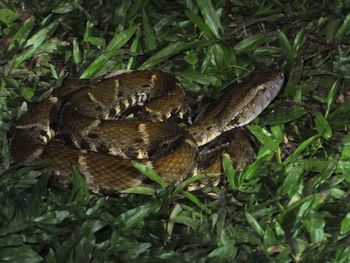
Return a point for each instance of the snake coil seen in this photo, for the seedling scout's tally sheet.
(85, 124)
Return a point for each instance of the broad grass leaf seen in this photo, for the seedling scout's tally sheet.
(38, 38)
(206, 78)
(134, 48)
(7, 16)
(345, 153)
(302, 146)
(19, 254)
(345, 224)
(187, 221)
(323, 126)
(331, 30)
(211, 16)
(137, 215)
(135, 9)
(142, 190)
(315, 224)
(52, 217)
(344, 28)
(76, 53)
(284, 41)
(254, 224)
(19, 39)
(194, 199)
(226, 249)
(35, 42)
(292, 182)
(64, 8)
(200, 24)
(150, 39)
(149, 173)
(264, 137)
(229, 171)
(299, 41)
(250, 43)
(171, 50)
(80, 191)
(118, 41)
(326, 173)
(332, 96)
(174, 213)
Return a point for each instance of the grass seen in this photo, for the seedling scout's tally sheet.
(290, 205)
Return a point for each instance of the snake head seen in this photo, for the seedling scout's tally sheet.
(254, 96)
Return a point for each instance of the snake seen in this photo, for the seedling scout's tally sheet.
(101, 126)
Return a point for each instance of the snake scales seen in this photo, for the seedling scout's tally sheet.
(90, 114)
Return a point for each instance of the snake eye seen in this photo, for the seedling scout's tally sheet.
(262, 87)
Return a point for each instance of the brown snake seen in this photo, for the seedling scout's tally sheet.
(90, 114)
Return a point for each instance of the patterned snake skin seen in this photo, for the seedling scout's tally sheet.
(87, 124)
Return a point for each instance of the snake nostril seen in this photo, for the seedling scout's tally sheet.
(98, 108)
(92, 135)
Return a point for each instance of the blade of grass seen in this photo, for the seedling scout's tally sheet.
(172, 50)
(200, 24)
(35, 42)
(229, 171)
(344, 28)
(332, 96)
(150, 39)
(249, 43)
(149, 173)
(302, 146)
(22, 34)
(211, 16)
(264, 137)
(118, 41)
(194, 199)
(323, 126)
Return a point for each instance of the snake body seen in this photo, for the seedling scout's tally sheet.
(83, 124)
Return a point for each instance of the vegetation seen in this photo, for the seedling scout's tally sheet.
(290, 205)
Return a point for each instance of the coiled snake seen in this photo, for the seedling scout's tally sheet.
(90, 114)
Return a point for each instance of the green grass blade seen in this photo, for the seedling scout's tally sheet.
(35, 42)
(118, 41)
(7, 16)
(302, 146)
(76, 53)
(22, 34)
(172, 50)
(250, 43)
(80, 190)
(211, 16)
(323, 126)
(150, 39)
(284, 41)
(141, 190)
(254, 224)
(344, 28)
(149, 173)
(229, 171)
(332, 96)
(194, 18)
(194, 199)
(345, 224)
(134, 48)
(264, 137)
